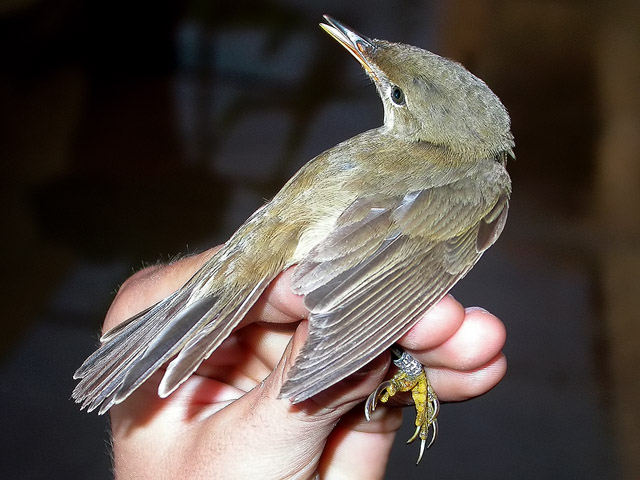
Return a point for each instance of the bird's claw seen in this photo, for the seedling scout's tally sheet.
(411, 378)
(372, 402)
(422, 430)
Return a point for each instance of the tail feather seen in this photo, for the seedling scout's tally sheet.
(127, 323)
(136, 350)
(103, 372)
(200, 346)
(165, 345)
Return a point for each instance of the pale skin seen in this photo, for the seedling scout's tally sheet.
(226, 421)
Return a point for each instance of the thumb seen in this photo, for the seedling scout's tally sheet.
(285, 440)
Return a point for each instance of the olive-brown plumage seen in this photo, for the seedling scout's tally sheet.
(380, 227)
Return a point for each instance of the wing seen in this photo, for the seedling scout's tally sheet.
(386, 262)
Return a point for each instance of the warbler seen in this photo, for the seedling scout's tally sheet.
(379, 228)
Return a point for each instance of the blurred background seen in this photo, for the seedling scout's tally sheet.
(131, 132)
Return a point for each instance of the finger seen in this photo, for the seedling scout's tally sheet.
(360, 448)
(461, 349)
(455, 385)
(278, 304)
(480, 337)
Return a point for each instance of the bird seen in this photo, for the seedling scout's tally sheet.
(377, 228)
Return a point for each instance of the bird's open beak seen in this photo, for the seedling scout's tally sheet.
(358, 45)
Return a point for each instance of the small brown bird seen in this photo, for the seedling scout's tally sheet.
(380, 227)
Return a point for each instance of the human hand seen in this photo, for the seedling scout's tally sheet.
(226, 420)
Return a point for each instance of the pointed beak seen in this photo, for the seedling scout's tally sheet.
(358, 45)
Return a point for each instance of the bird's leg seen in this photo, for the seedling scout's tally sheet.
(411, 377)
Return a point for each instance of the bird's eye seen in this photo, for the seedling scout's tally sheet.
(397, 96)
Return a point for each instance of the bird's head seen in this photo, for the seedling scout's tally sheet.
(429, 98)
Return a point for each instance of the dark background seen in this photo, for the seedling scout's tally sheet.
(134, 131)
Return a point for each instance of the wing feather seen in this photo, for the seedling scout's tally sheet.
(362, 306)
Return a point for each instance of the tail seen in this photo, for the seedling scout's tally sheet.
(189, 324)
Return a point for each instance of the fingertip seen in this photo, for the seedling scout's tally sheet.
(494, 328)
(279, 304)
(480, 338)
(284, 300)
(485, 336)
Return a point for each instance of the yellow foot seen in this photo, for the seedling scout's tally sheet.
(410, 377)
